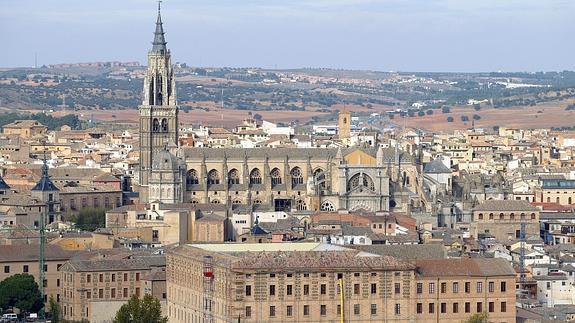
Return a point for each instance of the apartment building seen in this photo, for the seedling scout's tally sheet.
(301, 283)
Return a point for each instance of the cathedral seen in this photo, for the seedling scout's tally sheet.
(281, 179)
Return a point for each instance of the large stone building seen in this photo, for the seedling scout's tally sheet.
(300, 283)
(295, 179)
(502, 219)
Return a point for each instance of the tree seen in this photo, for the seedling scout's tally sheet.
(476, 117)
(449, 119)
(445, 109)
(22, 292)
(90, 219)
(478, 318)
(464, 118)
(477, 107)
(54, 310)
(145, 310)
(429, 112)
(421, 113)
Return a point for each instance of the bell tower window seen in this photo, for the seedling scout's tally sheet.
(164, 125)
(156, 125)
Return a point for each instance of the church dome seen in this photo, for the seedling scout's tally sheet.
(165, 160)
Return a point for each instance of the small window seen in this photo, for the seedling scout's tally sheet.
(248, 290)
(419, 308)
(306, 310)
(289, 310)
(373, 309)
(272, 311)
(322, 310)
(248, 311)
(6, 269)
(397, 309)
(356, 309)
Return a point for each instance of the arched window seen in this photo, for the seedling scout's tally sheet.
(301, 205)
(319, 177)
(164, 125)
(355, 182)
(480, 216)
(501, 216)
(276, 177)
(557, 200)
(548, 199)
(155, 125)
(213, 177)
(255, 177)
(533, 216)
(512, 216)
(569, 200)
(296, 176)
(192, 178)
(490, 216)
(327, 206)
(522, 216)
(233, 177)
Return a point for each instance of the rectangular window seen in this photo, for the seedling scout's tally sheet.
(272, 290)
(88, 295)
(306, 289)
(479, 307)
(397, 309)
(272, 311)
(88, 278)
(397, 288)
(25, 269)
(6, 269)
(248, 311)
(467, 307)
(455, 307)
(374, 288)
(479, 287)
(491, 307)
(467, 287)
(503, 287)
(431, 309)
(322, 310)
(431, 288)
(306, 310)
(100, 293)
(419, 288)
(138, 292)
(125, 277)
(356, 289)
(113, 277)
(323, 289)
(443, 288)
(58, 282)
(137, 277)
(356, 309)
(373, 309)
(338, 310)
(248, 290)
(443, 308)
(113, 293)
(455, 288)
(289, 290)
(491, 287)
(101, 278)
(503, 307)
(125, 293)
(419, 308)
(289, 310)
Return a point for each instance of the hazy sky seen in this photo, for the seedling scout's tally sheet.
(399, 35)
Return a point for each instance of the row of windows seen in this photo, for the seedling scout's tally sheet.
(322, 289)
(467, 287)
(323, 310)
(26, 268)
(112, 277)
(455, 307)
(511, 216)
(255, 177)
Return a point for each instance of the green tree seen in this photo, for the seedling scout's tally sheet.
(22, 292)
(478, 318)
(90, 219)
(54, 310)
(449, 119)
(429, 112)
(445, 109)
(145, 310)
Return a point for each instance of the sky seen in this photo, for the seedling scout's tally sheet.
(383, 35)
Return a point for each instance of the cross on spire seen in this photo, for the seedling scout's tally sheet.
(159, 43)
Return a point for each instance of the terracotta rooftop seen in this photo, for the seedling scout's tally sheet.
(472, 267)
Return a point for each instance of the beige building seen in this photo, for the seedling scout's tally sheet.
(23, 259)
(560, 191)
(25, 128)
(299, 282)
(502, 219)
(95, 286)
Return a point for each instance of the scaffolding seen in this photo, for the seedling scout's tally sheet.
(208, 285)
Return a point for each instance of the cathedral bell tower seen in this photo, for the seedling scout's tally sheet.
(159, 110)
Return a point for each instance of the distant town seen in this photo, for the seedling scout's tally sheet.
(247, 195)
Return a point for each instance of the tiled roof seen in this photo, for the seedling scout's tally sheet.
(406, 252)
(102, 264)
(474, 267)
(12, 253)
(505, 205)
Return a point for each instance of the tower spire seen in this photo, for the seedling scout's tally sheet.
(159, 43)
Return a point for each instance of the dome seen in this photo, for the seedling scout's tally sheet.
(164, 160)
